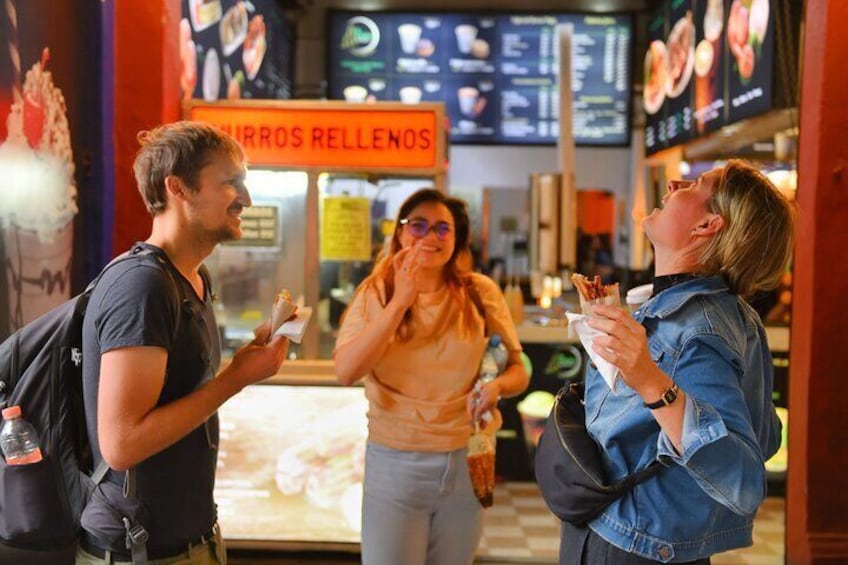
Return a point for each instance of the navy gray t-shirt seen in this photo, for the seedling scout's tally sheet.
(135, 304)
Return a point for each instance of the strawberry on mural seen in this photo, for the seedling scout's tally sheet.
(37, 211)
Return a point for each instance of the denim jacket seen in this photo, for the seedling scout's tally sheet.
(713, 345)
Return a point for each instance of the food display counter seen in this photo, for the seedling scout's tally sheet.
(290, 467)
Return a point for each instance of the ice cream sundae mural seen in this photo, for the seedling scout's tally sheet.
(39, 201)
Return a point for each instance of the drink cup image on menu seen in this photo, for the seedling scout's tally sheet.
(410, 95)
(409, 36)
(467, 96)
(465, 36)
(355, 93)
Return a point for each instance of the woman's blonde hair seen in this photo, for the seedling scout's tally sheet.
(754, 246)
(457, 271)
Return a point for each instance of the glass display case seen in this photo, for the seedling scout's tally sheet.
(290, 466)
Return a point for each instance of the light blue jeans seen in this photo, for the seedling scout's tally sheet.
(418, 508)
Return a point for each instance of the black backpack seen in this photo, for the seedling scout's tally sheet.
(41, 371)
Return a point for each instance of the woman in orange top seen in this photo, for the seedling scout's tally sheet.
(416, 331)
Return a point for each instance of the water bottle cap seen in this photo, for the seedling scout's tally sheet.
(11, 412)
(495, 340)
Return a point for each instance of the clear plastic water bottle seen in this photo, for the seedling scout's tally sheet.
(488, 372)
(488, 366)
(499, 352)
(18, 439)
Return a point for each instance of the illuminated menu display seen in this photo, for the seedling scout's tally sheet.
(496, 73)
(708, 64)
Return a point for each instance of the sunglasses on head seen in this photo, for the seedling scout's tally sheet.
(419, 228)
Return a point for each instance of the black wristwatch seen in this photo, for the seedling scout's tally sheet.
(669, 396)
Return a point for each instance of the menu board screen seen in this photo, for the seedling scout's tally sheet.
(708, 64)
(496, 73)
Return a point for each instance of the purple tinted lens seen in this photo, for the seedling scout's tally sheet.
(419, 228)
(443, 230)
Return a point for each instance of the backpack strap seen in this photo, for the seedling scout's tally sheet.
(137, 535)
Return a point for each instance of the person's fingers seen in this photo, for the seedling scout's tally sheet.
(262, 333)
(606, 353)
(399, 257)
(609, 312)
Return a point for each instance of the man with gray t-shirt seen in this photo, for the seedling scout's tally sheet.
(151, 354)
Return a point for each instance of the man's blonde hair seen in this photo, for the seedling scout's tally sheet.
(181, 149)
(754, 246)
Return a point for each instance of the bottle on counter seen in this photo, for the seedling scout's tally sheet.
(18, 439)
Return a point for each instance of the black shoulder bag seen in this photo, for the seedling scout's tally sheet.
(568, 464)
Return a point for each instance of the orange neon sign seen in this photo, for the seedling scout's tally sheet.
(333, 137)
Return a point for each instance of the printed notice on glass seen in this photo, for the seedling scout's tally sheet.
(260, 227)
(345, 229)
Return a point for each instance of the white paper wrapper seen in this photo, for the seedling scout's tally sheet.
(580, 324)
(294, 329)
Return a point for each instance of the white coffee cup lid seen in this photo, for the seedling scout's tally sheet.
(639, 294)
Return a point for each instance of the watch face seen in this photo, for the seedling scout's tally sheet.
(669, 396)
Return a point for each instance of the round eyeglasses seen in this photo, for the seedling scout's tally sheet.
(419, 228)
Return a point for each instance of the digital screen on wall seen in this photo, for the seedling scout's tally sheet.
(496, 73)
(709, 63)
(231, 49)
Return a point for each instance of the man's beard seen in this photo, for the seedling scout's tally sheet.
(220, 235)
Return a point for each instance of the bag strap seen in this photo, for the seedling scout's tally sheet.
(635, 477)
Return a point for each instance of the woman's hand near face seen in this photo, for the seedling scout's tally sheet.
(626, 347)
(406, 264)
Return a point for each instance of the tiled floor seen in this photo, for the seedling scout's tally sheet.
(519, 528)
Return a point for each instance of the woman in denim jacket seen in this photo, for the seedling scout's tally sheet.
(695, 378)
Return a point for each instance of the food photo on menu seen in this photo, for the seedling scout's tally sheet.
(709, 66)
(204, 13)
(470, 45)
(224, 47)
(656, 76)
(471, 108)
(681, 55)
(750, 46)
(416, 47)
(413, 91)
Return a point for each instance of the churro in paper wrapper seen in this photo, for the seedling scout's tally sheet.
(591, 292)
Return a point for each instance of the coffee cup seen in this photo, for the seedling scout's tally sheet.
(465, 36)
(467, 96)
(409, 36)
(410, 95)
(355, 93)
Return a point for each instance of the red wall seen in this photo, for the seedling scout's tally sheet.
(147, 93)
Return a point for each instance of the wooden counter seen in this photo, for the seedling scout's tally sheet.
(321, 372)
(778, 336)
